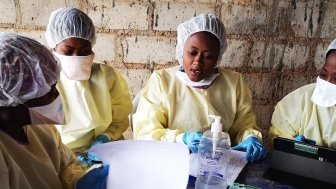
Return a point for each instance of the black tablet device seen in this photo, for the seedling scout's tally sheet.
(302, 165)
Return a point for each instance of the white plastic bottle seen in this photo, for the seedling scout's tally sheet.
(213, 156)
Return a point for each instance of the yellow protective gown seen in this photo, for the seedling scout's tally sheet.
(168, 107)
(100, 105)
(296, 114)
(44, 163)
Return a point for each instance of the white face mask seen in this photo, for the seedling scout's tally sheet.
(183, 77)
(49, 114)
(324, 93)
(76, 67)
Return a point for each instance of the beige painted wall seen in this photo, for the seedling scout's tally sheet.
(277, 44)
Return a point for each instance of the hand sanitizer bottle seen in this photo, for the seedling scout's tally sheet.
(213, 156)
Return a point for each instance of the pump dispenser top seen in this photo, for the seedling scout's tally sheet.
(216, 126)
(216, 129)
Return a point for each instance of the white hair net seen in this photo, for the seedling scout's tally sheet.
(27, 69)
(200, 23)
(69, 22)
(332, 46)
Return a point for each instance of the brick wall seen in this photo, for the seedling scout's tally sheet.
(277, 44)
